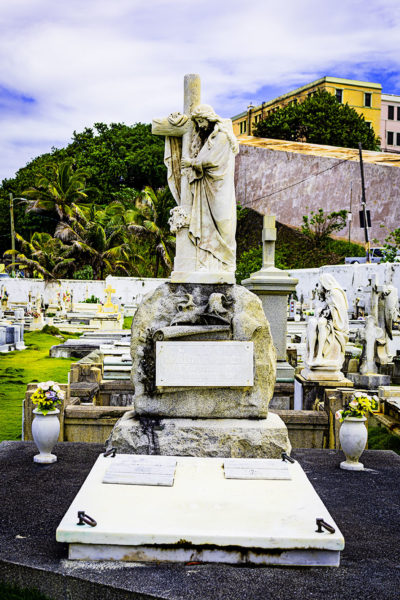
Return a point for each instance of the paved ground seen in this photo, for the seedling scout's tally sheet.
(365, 505)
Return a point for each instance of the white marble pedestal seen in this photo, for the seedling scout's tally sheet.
(203, 516)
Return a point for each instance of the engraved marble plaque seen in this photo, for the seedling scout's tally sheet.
(256, 468)
(204, 364)
(142, 470)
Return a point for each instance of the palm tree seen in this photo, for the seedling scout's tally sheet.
(105, 253)
(150, 224)
(58, 190)
(43, 255)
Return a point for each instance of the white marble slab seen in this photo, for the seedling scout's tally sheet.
(144, 470)
(204, 364)
(256, 468)
(203, 508)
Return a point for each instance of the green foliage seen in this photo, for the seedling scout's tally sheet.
(112, 157)
(319, 119)
(319, 226)
(391, 246)
(51, 329)
(85, 272)
(293, 250)
(380, 439)
(251, 260)
(92, 300)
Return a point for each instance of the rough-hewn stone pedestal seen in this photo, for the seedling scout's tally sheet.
(237, 438)
(171, 417)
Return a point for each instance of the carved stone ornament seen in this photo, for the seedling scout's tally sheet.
(179, 219)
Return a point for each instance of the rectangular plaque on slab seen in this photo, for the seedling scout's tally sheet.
(204, 364)
(256, 468)
(141, 470)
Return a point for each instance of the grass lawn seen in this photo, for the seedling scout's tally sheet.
(17, 369)
(127, 322)
(380, 439)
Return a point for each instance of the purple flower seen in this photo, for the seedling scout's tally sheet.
(51, 394)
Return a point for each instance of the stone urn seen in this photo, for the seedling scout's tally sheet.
(353, 438)
(45, 431)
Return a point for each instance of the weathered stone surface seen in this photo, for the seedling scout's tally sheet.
(249, 323)
(245, 438)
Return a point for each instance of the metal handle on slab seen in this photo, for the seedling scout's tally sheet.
(110, 452)
(84, 518)
(286, 457)
(321, 524)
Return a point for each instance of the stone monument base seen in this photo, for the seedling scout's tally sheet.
(368, 381)
(308, 393)
(322, 374)
(234, 438)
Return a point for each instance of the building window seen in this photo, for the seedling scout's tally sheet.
(367, 99)
(339, 95)
(243, 127)
(390, 112)
(398, 113)
(295, 101)
(397, 139)
(390, 135)
(369, 123)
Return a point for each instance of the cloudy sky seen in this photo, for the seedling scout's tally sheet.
(67, 65)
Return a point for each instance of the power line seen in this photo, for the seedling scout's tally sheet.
(298, 182)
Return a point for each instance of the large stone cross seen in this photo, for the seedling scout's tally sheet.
(174, 127)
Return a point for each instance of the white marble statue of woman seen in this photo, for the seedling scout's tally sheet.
(327, 332)
(211, 177)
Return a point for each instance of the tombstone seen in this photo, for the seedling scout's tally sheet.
(203, 372)
(201, 345)
(3, 338)
(10, 335)
(273, 286)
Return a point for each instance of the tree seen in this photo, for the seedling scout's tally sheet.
(58, 189)
(42, 255)
(114, 157)
(319, 119)
(105, 253)
(151, 226)
(319, 226)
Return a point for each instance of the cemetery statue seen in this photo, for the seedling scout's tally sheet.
(369, 336)
(200, 149)
(384, 309)
(327, 333)
(211, 167)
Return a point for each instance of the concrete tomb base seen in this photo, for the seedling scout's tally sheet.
(216, 510)
(262, 438)
(368, 381)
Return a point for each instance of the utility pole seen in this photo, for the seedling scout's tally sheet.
(12, 231)
(350, 214)
(364, 203)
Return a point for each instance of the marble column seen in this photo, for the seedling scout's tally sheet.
(273, 286)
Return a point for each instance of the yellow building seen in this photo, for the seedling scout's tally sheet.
(363, 96)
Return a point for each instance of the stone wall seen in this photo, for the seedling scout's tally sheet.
(276, 178)
(127, 289)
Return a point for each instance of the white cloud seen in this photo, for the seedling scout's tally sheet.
(97, 60)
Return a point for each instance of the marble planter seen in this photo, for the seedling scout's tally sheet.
(353, 438)
(45, 431)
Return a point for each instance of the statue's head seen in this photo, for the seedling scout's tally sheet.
(203, 115)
